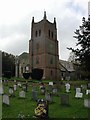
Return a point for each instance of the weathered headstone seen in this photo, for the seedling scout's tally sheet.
(64, 99)
(67, 87)
(19, 84)
(54, 91)
(11, 91)
(25, 87)
(87, 103)
(78, 90)
(22, 94)
(88, 85)
(34, 95)
(50, 88)
(79, 95)
(48, 97)
(6, 99)
(51, 83)
(15, 87)
(87, 92)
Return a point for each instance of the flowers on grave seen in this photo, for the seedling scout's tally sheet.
(40, 110)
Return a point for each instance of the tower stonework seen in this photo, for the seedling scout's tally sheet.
(43, 48)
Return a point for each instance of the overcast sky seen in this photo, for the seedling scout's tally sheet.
(16, 17)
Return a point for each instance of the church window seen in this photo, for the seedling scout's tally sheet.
(52, 34)
(39, 32)
(49, 33)
(36, 33)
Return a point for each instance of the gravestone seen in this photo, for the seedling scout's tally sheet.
(6, 99)
(50, 88)
(54, 91)
(24, 87)
(87, 103)
(19, 84)
(15, 87)
(11, 91)
(78, 90)
(88, 85)
(34, 95)
(67, 87)
(64, 99)
(51, 83)
(87, 92)
(48, 97)
(42, 90)
(22, 94)
(78, 93)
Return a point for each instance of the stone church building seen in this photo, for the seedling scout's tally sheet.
(44, 53)
(43, 48)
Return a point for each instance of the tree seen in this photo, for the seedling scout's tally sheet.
(8, 63)
(83, 51)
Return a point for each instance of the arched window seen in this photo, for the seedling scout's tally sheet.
(52, 34)
(49, 33)
(36, 33)
(39, 32)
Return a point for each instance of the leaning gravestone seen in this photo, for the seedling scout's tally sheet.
(6, 99)
(87, 103)
(64, 99)
(34, 95)
(22, 94)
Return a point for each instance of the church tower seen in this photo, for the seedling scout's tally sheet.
(43, 48)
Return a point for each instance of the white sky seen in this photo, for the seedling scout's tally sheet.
(16, 17)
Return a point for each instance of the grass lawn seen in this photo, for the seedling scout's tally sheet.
(56, 110)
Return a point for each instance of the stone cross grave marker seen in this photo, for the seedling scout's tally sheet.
(64, 99)
(48, 97)
(6, 99)
(34, 95)
(87, 103)
(22, 94)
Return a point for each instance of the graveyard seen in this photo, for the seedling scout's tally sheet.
(63, 102)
